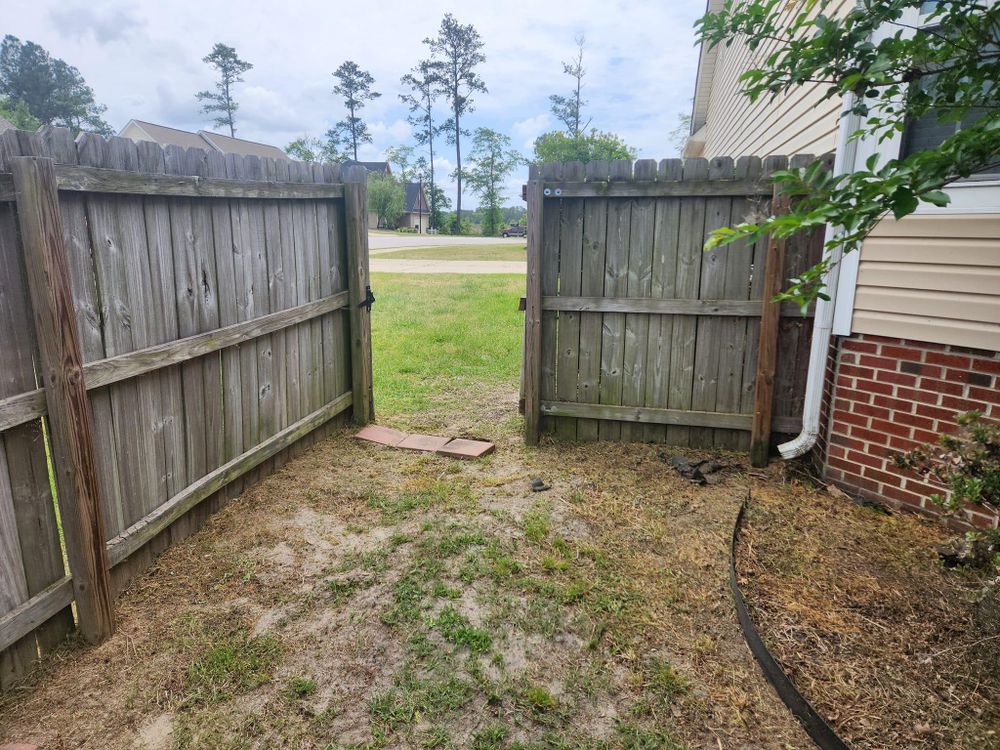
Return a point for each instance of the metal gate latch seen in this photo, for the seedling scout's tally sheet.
(369, 299)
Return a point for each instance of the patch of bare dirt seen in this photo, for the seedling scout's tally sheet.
(870, 626)
(368, 597)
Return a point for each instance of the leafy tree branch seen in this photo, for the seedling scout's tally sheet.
(888, 72)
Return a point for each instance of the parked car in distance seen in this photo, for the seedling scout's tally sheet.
(515, 231)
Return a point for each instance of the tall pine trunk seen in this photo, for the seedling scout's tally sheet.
(457, 229)
(354, 134)
(432, 222)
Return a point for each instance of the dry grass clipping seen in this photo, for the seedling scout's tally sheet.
(872, 629)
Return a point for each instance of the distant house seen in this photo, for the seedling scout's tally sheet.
(416, 209)
(5, 124)
(373, 167)
(138, 130)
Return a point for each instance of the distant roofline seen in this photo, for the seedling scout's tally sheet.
(233, 138)
(705, 76)
(207, 139)
(140, 123)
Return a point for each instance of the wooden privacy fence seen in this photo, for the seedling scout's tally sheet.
(634, 332)
(173, 324)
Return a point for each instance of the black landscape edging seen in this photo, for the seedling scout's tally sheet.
(814, 724)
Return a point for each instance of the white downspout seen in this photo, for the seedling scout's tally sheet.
(843, 161)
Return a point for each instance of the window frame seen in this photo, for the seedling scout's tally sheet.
(975, 194)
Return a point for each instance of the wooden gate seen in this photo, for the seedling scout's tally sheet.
(633, 331)
(174, 324)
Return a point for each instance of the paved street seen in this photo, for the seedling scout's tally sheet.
(385, 240)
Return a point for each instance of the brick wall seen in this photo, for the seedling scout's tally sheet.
(892, 395)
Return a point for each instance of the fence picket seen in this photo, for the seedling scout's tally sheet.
(615, 285)
(708, 344)
(551, 223)
(60, 362)
(688, 277)
(25, 475)
(162, 289)
(19, 445)
(663, 285)
(595, 223)
(734, 344)
(640, 326)
(639, 284)
(569, 284)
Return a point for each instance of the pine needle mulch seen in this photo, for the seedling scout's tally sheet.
(872, 629)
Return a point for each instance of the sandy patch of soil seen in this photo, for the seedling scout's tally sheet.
(371, 598)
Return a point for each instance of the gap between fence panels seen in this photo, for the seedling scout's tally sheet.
(22, 620)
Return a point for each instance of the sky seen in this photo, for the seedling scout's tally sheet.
(144, 61)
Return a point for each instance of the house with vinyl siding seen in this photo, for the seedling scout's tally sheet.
(911, 336)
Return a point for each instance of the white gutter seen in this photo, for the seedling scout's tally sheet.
(843, 161)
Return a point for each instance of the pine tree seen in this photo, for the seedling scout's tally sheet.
(355, 85)
(231, 69)
(569, 109)
(455, 53)
(421, 82)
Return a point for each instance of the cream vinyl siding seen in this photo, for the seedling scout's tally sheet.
(799, 122)
(933, 278)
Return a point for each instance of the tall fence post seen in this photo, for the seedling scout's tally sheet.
(767, 353)
(356, 220)
(61, 367)
(533, 311)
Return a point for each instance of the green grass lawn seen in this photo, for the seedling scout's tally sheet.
(439, 335)
(459, 252)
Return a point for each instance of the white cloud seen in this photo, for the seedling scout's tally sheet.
(266, 109)
(144, 61)
(524, 132)
(390, 134)
(106, 22)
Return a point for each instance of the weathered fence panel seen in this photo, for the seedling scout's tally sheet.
(632, 330)
(214, 303)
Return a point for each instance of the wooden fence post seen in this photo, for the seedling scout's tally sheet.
(356, 220)
(70, 425)
(767, 354)
(533, 312)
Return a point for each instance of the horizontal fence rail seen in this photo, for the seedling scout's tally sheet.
(97, 180)
(27, 406)
(634, 332)
(616, 188)
(653, 306)
(193, 320)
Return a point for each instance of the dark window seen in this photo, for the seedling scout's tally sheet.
(927, 132)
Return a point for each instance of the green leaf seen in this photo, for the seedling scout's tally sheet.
(904, 202)
(937, 197)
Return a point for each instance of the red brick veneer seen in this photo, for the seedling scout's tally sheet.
(892, 395)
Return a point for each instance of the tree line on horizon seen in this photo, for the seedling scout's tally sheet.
(449, 73)
(36, 89)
